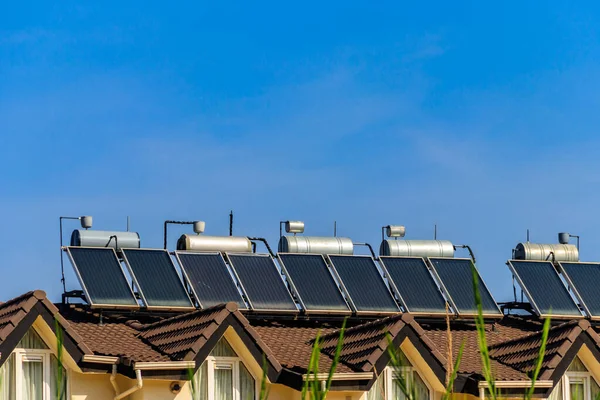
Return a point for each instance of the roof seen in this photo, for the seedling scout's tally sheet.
(17, 316)
(287, 344)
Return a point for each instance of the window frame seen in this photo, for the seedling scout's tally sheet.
(392, 372)
(577, 377)
(22, 355)
(234, 362)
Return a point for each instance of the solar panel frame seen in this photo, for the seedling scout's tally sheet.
(141, 290)
(241, 305)
(398, 293)
(248, 297)
(85, 288)
(530, 297)
(573, 287)
(446, 293)
(347, 292)
(297, 292)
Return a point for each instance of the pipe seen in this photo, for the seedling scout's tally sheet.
(231, 223)
(113, 379)
(167, 222)
(138, 385)
(252, 239)
(466, 246)
(370, 249)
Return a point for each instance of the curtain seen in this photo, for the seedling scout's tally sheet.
(595, 389)
(377, 390)
(247, 384)
(557, 393)
(223, 384)
(7, 379)
(200, 391)
(58, 381)
(31, 340)
(401, 385)
(33, 380)
(421, 391)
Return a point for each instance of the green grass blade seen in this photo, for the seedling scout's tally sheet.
(540, 357)
(336, 358)
(193, 389)
(481, 335)
(308, 382)
(61, 383)
(264, 390)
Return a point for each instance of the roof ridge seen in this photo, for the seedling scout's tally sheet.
(39, 294)
(336, 333)
(231, 307)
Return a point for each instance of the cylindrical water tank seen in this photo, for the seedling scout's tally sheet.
(395, 230)
(231, 244)
(90, 238)
(416, 248)
(316, 245)
(294, 226)
(541, 252)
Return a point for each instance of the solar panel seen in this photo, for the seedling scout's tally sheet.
(544, 289)
(156, 278)
(209, 278)
(364, 285)
(313, 283)
(456, 277)
(414, 285)
(583, 279)
(101, 277)
(262, 282)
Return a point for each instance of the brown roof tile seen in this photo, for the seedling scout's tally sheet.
(180, 337)
(291, 343)
(521, 353)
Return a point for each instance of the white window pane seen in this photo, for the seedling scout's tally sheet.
(223, 384)
(247, 385)
(577, 391)
(7, 379)
(33, 380)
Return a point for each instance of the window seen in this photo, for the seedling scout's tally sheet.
(395, 382)
(32, 372)
(576, 384)
(223, 376)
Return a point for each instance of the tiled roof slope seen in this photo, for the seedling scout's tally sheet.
(291, 343)
(182, 336)
(363, 344)
(464, 332)
(117, 339)
(25, 308)
(521, 353)
(13, 311)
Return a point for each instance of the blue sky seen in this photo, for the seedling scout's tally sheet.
(481, 118)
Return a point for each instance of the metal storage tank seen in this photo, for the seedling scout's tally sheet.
(541, 252)
(91, 238)
(417, 248)
(231, 244)
(316, 245)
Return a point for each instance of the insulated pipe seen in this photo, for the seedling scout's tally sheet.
(113, 379)
(138, 385)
